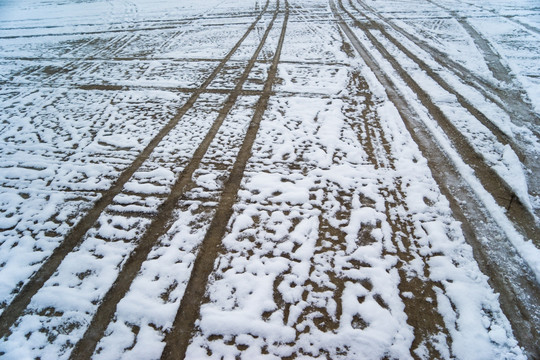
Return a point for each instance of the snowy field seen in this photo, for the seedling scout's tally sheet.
(270, 179)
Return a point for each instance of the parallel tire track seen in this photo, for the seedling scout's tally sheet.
(178, 339)
(518, 289)
(422, 315)
(491, 181)
(159, 226)
(15, 309)
(508, 99)
(501, 136)
(509, 17)
(499, 70)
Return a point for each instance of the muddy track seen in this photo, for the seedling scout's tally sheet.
(97, 32)
(161, 223)
(501, 136)
(422, 315)
(110, 31)
(508, 99)
(174, 24)
(178, 339)
(517, 286)
(110, 47)
(17, 306)
(243, 92)
(498, 69)
(491, 181)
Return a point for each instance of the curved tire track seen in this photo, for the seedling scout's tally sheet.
(491, 181)
(510, 101)
(508, 98)
(516, 284)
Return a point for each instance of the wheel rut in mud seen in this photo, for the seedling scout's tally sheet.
(417, 292)
(508, 97)
(177, 340)
(510, 285)
(76, 235)
(490, 179)
(161, 224)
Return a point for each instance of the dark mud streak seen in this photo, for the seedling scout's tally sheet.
(15, 309)
(117, 88)
(513, 94)
(170, 26)
(493, 60)
(511, 101)
(422, 315)
(517, 285)
(501, 136)
(177, 340)
(492, 182)
(153, 59)
(163, 220)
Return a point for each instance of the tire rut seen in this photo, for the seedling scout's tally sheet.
(160, 224)
(177, 339)
(509, 17)
(422, 314)
(510, 101)
(15, 309)
(491, 181)
(501, 136)
(498, 69)
(516, 284)
(507, 97)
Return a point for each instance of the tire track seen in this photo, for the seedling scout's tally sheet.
(177, 340)
(490, 179)
(15, 309)
(510, 101)
(97, 32)
(484, 120)
(422, 314)
(508, 98)
(509, 17)
(86, 346)
(516, 284)
(73, 63)
(492, 59)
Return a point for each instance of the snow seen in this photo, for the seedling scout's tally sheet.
(337, 213)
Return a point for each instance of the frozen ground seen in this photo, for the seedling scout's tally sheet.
(267, 179)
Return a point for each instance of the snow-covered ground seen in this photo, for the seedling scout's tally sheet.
(123, 130)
